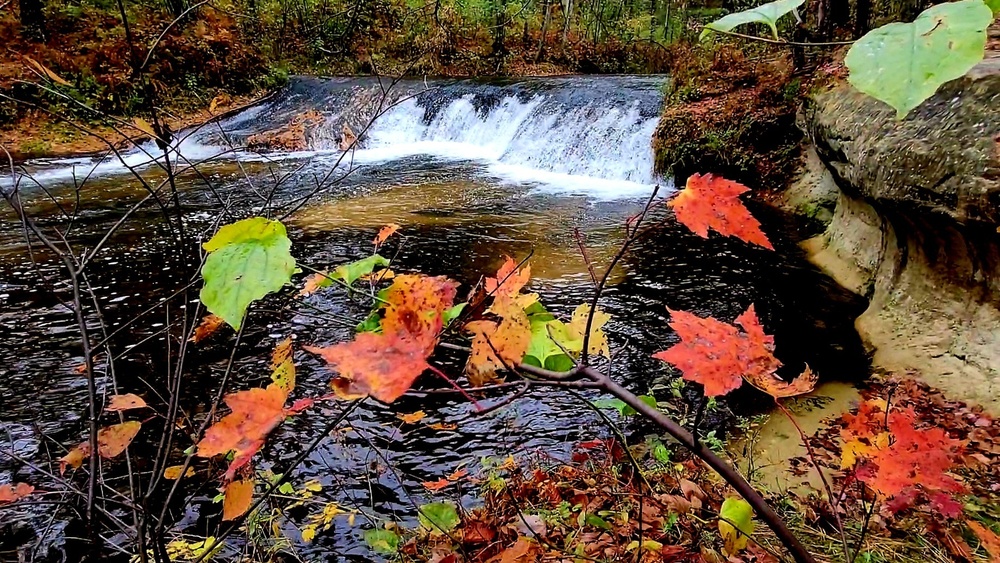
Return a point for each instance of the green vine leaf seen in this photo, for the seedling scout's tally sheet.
(247, 260)
(903, 64)
(439, 517)
(768, 14)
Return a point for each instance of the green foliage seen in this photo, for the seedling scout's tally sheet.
(622, 408)
(768, 14)
(903, 64)
(247, 260)
(351, 272)
(439, 517)
(736, 524)
(384, 542)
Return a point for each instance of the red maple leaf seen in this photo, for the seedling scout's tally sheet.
(381, 365)
(255, 413)
(712, 202)
(719, 356)
(509, 280)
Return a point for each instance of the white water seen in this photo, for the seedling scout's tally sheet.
(595, 148)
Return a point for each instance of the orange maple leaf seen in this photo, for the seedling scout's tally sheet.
(509, 280)
(415, 304)
(237, 500)
(111, 442)
(384, 233)
(436, 485)
(125, 402)
(208, 326)
(713, 202)
(383, 366)
(315, 282)
(498, 345)
(255, 413)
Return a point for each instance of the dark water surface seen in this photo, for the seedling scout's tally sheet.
(460, 212)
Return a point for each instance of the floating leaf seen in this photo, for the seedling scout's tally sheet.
(385, 232)
(436, 485)
(13, 492)
(412, 418)
(903, 64)
(247, 260)
(206, 328)
(383, 542)
(439, 517)
(712, 202)
(125, 402)
(768, 14)
(736, 524)
(239, 496)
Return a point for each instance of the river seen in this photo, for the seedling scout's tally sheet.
(472, 171)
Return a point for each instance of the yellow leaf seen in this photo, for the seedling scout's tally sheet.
(125, 402)
(284, 368)
(598, 344)
(239, 496)
(412, 418)
(174, 472)
(309, 533)
(113, 440)
(313, 485)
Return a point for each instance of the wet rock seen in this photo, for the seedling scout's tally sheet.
(914, 226)
(297, 135)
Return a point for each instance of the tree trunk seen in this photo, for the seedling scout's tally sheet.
(545, 29)
(568, 20)
(32, 19)
(499, 29)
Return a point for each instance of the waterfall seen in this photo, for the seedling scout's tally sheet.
(570, 131)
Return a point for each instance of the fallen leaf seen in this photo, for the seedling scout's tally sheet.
(174, 472)
(125, 402)
(443, 426)
(412, 418)
(436, 485)
(458, 474)
(989, 540)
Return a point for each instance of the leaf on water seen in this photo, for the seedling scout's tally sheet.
(712, 202)
(255, 413)
(438, 517)
(436, 485)
(247, 260)
(13, 492)
(383, 366)
(458, 474)
(239, 497)
(207, 327)
(384, 233)
(113, 440)
(47, 72)
(125, 402)
(443, 426)
(903, 64)
(768, 14)
(778, 388)
(736, 524)
(383, 542)
(412, 418)
(173, 472)
(509, 279)
(352, 271)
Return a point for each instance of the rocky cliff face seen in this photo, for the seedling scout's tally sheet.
(912, 209)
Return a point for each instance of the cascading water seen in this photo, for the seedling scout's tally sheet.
(590, 135)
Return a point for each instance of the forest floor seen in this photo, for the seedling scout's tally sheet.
(642, 502)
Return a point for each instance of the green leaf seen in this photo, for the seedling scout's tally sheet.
(372, 323)
(616, 404)
(453, 313)
(597, 521)
(629, 411)
(383, 542)
(542, 347)
(247, 260)
(993, 5)
(739, 512)
(903, 64)
(439, 516)
(661, 453)
(768, 14)
(349, 273)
